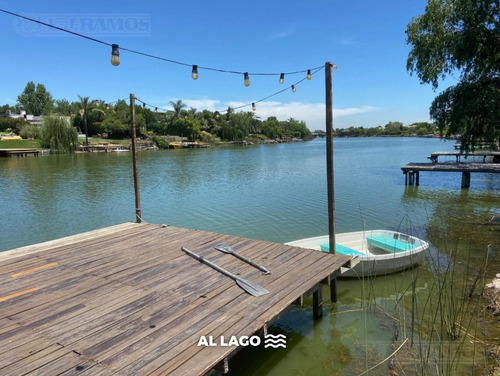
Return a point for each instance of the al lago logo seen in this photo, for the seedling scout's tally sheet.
(270, 340)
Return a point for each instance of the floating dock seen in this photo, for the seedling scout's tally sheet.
(125, 300)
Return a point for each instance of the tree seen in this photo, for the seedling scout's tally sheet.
(57, 133)
(36, 100)
(460, 36)
(85, 106)
(178, 107)
(62, 107)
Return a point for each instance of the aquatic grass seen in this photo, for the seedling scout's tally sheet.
(440, 323)
(444, 326)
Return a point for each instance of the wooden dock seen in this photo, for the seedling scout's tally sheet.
(19, 152)
(458, 155)
(412, 170)
(125, 300)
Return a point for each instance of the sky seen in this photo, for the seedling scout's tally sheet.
(364, 38)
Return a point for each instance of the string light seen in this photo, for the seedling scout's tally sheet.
(253, 104)
(115, 55)
(115, 60)
(194, 72)
(143, 53)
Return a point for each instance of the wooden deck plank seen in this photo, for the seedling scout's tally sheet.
(63, 242)
(238, 323)
(240, 315)
(127, 300)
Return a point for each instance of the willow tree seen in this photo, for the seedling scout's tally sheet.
(57, 134)
(460, 37)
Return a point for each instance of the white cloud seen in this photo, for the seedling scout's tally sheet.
(202, 104)
(312, 113)
(347, 41)
(277, 35)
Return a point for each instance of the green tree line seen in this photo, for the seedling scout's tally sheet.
(393, 128)
(95, 117)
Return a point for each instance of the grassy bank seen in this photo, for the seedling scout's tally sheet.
(19, 144)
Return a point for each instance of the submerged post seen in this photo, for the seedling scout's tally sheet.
(134, 161)
(329, 168)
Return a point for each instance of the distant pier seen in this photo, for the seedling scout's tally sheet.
(18, 152)
(412, 170)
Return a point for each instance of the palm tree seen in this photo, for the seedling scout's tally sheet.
(85, 106)
(178, 107)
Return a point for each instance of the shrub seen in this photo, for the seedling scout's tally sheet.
(161, 142)
(28, 131)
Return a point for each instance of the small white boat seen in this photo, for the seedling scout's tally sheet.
(379, 252)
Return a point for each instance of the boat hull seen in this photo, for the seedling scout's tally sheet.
(401, 251)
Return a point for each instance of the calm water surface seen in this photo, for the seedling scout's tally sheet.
(275, 193)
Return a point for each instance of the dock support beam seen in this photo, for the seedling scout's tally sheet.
(412, 177)
(465, 179)
(318, 303)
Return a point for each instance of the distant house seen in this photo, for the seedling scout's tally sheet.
(32, 119)
(318, 133)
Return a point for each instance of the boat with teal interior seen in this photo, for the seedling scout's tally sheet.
(379, 252)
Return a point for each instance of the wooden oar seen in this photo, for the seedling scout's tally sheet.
(251, 287)
(228, 249)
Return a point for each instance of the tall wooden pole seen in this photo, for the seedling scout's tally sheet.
(329, 169)
(134, 161)
(329, 155)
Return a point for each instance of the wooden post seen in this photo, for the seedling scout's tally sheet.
(418, 178)
(329, 156)
(465, 179)
(138, 218)
(329, 168)
(318, 302)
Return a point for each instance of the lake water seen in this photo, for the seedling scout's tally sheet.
(275, 193)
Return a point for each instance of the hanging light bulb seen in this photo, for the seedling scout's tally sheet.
(309, 74)
(293, 88)
(194, 72)
(282, 78)
(115, 55)
(253, 106)
(247, 79)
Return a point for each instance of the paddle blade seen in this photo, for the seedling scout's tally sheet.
(251, 287)
(224, 248)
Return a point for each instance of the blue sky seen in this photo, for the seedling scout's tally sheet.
(365, 39)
